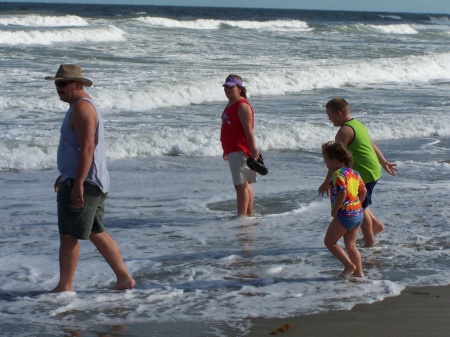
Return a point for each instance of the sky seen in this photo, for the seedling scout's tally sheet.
(406, 6)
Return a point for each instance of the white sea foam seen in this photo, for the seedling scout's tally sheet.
(37, 37)
(43, 21)
(393, 17)
(413, 69)
(216, 24)
(401, 29)
(37, 149)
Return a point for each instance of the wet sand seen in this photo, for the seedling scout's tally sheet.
(416, 312)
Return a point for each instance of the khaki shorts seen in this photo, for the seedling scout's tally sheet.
(80, 222)
(240, 172)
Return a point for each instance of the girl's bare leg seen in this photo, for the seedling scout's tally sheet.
(335, 231)
(353, 252)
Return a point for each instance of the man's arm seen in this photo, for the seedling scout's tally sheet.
(84, 122)
(388, 167)
(246, 118)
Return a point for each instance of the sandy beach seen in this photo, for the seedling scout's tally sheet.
(416, 312)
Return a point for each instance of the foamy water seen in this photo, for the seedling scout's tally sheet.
(157, 76)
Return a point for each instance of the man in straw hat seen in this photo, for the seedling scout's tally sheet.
(83, 184)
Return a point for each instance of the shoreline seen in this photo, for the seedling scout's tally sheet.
(415, 312)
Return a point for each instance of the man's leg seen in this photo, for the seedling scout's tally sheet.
(69, 251)
(111, 253)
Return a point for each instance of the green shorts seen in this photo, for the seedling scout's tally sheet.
(80, 222)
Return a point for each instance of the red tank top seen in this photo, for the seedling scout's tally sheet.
(232, 134)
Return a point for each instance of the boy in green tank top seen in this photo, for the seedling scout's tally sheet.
(367, 160)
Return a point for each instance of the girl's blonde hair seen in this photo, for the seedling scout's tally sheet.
(337, 151)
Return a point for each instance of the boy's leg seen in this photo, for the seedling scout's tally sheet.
(69, 251)
(377, 225)
(111, 253)
(366, 228)
(370, 227)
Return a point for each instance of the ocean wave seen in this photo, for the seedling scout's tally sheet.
(43, 21)
(413, 69)
(216, 24)
(37, 149)
(37, 37)
(137, 96)
(392, 17)
(443, 20)
(401, 29)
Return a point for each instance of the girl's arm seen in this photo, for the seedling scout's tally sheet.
(362, 194)
(340, 198)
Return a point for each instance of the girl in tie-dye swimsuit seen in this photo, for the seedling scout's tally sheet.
(346, 191)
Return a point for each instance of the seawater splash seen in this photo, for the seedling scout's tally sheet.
(392, 17)
(38, 37)
(443, 20)
(304, 78)
(217, 24)
(43, 21)
(394, 29)
(37, 148)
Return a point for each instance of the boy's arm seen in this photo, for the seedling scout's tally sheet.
(345, 135)
(388, 167)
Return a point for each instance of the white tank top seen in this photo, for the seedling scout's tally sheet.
(69, 152)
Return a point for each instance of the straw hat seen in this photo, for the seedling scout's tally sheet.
(70, 72)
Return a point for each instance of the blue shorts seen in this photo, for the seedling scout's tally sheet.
(350, 222)
(368, 200)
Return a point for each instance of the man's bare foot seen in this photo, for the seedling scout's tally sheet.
(359, 275)
(128, 283)
(59, 289)
(348, 271)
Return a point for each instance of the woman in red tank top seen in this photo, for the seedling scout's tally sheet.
(238, 142)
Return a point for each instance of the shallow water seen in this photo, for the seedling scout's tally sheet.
(158, 75)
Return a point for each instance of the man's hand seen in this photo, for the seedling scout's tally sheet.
(77, 195)
(56, 185)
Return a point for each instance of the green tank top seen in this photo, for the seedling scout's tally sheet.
(364, 156)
